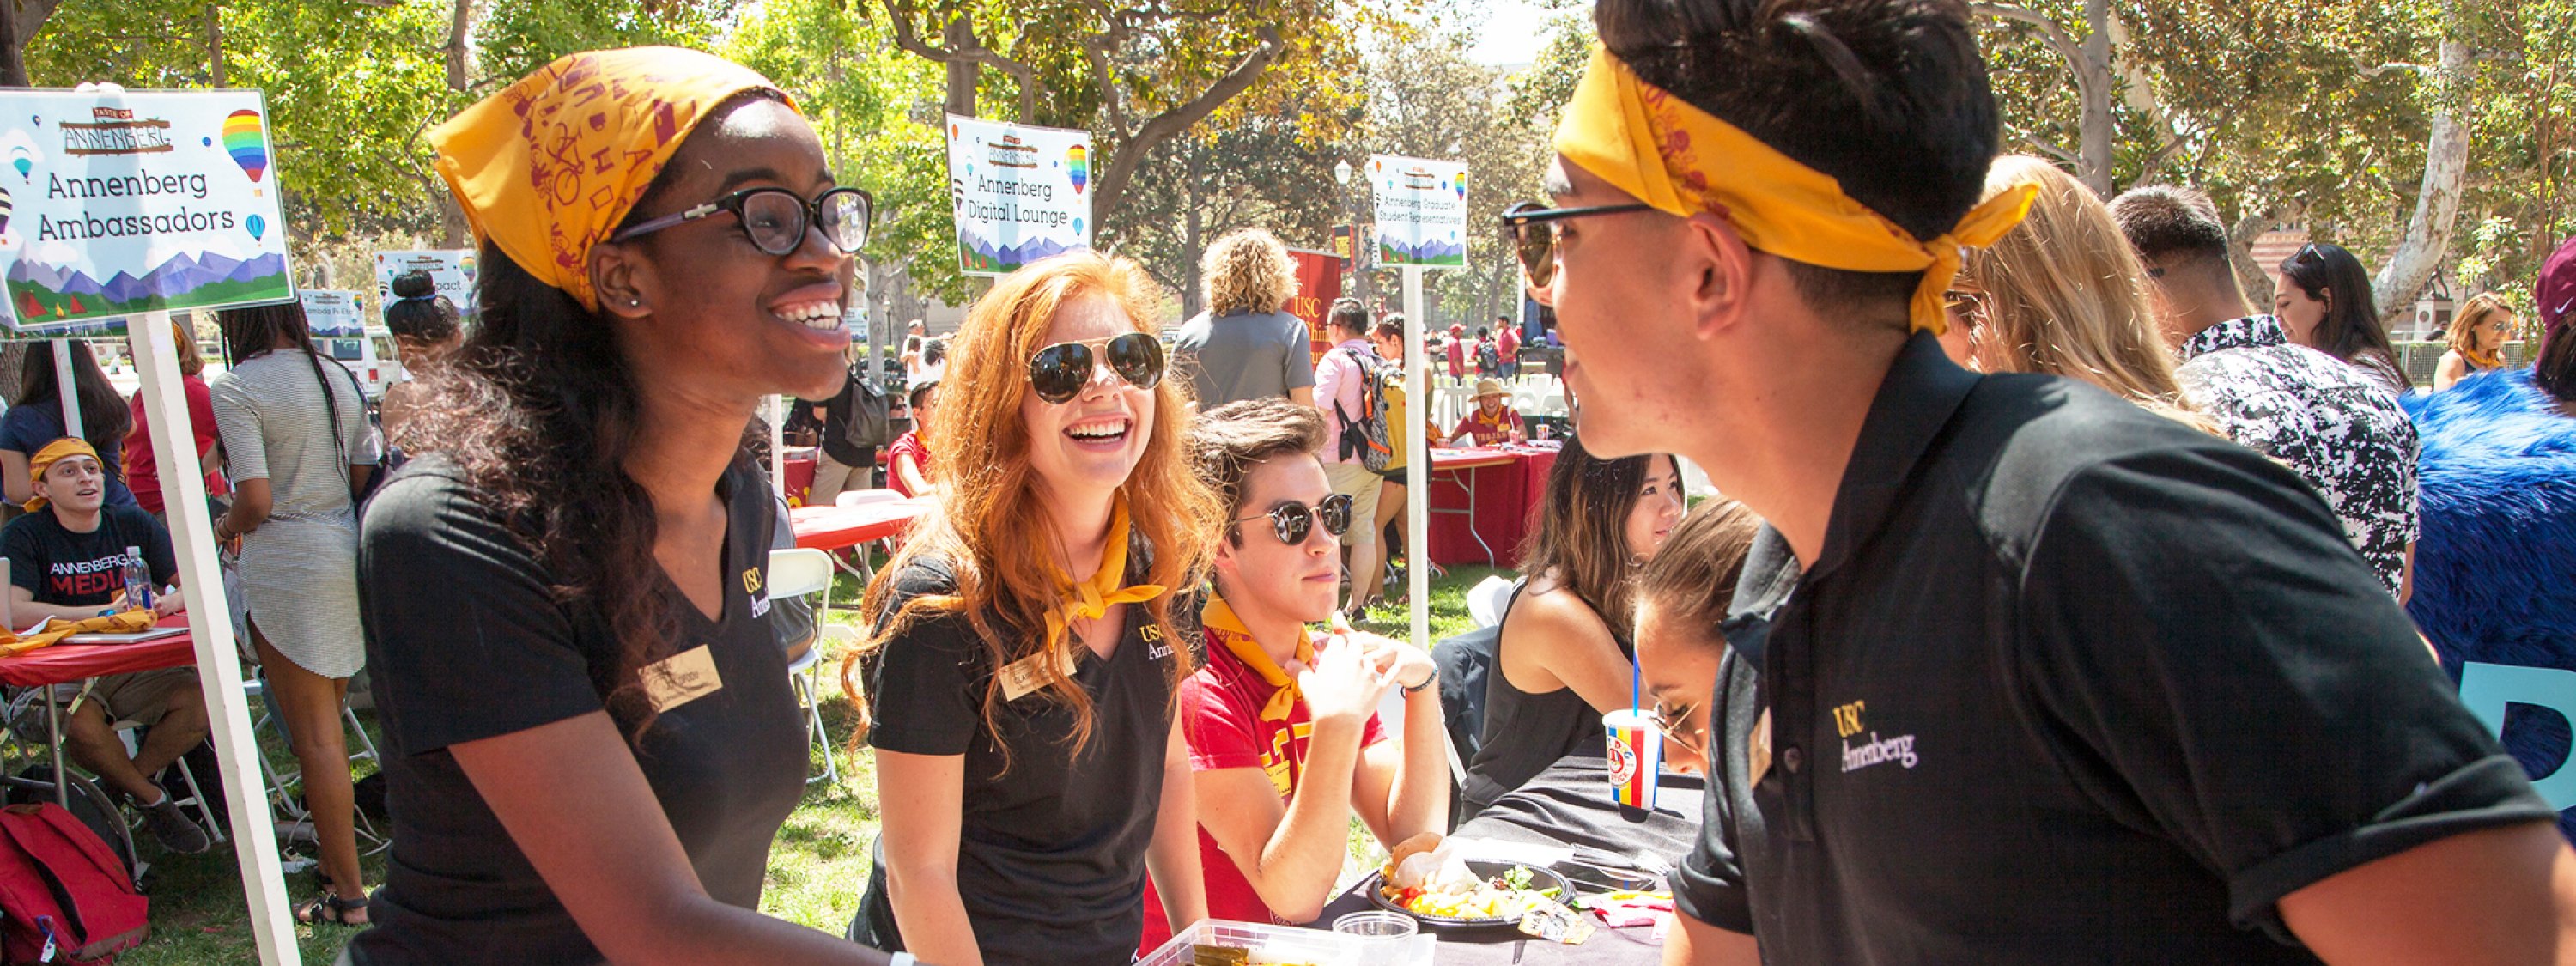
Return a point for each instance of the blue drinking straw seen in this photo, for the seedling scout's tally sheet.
(1636, 680)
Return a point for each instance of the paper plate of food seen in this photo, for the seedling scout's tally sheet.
(1425, 878)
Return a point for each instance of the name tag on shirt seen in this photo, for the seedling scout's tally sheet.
(681, 678)
(1029, 673)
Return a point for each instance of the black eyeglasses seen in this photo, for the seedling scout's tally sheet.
(1291, 522)
(776, 219)
(1530, 229)
(1058, 372)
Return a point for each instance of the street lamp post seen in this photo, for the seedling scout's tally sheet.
(1359, 266)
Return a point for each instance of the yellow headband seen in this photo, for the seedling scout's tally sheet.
(56, 452)
(549, 166)
(1679, 159)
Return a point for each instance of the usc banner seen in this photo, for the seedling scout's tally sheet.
(1319, 282)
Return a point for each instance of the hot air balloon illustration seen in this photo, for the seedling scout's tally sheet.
(1077, 160)
(1462, 186)
(245, 138)
(23, 160)
(7, 206)
(258, 226)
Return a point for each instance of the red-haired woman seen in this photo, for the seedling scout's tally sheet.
(1019, 689)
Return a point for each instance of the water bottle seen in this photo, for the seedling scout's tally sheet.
(138, 579)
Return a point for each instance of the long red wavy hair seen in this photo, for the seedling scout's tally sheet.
(990, 525)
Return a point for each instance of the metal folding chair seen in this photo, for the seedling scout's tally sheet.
(796, 573)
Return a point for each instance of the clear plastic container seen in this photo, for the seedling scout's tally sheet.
(1270, 944)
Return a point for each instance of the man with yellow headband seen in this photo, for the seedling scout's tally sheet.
(65, 559)
(2018, 673)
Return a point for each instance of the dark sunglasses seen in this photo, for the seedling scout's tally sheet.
(1530, 229)
(2309, 255)
(776, 219)
(1058, 372)
(1291, 522)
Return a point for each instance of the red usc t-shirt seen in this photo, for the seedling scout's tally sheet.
(1221, 719)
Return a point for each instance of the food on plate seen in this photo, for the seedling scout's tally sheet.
(1431, 879)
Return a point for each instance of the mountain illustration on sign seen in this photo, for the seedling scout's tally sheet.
(981, 255)
(40, 291)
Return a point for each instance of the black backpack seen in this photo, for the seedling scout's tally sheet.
(1366, 435)
(871, 419)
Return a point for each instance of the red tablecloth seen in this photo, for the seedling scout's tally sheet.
(1508, 481)
(837, 527)
(72, 662)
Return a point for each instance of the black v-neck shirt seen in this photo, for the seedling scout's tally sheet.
(2069, 682)
(467, 642)
(1051, 852)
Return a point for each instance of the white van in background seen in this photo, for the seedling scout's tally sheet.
(372, 358)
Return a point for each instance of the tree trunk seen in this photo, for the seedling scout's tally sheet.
(2096, 94)
(1192, 302)
(215, 45)
(961, 70)
(19, 22)
(453, 230)
(2419, 254)
(2255, 279)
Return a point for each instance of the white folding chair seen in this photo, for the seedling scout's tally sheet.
(1486, 600)
(796, 573)
(282, 800)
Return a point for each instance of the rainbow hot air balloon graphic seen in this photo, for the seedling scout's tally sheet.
(245, 138)
(1077, 159)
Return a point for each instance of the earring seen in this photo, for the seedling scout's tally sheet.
(634, 302)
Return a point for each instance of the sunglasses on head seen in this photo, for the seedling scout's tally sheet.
(1058, 372)
(776, 219)
(1291, 522)
(1530, 229)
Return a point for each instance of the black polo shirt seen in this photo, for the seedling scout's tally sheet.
(2069, 682)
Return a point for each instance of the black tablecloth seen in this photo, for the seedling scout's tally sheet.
(1567, 805)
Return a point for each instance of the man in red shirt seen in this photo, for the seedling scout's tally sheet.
(1507, 345)
(1281, 723)
(1457, 352)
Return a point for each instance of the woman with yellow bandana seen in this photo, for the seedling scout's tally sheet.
(1019, 688)
(592, 741)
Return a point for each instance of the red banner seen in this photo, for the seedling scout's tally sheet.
(1319, 282)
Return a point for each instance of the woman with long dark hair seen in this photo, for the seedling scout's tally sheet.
(592, 738)
(35, 418)
(2324, 301)
(1020, 688)
(1566, 654)
(298, 449)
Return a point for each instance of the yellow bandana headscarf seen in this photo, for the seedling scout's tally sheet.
(1093, 598)
(1676, 157)
(55, 452)
(549, 166)
(1221, 623)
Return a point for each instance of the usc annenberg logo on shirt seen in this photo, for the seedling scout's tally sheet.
(1874, 751)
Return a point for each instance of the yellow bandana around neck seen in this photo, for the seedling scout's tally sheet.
(1680, 159)
(1092, 598)
(1221, 623)
(2491, 360)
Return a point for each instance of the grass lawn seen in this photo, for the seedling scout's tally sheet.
(817, 868)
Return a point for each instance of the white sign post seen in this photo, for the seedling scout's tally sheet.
(1421, 209)
(133, 204)
(1021, 193)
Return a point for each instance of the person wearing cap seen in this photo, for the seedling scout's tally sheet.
(908, 457)
(2554, 365)
(1493, 420)
(2017, 672)
(66, 557)
(590, 737)
(1456, 351)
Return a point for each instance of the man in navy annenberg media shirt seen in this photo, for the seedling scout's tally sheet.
(2018, 673)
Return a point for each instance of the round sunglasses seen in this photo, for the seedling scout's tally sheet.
(776, 220)
(1291, 522)
(1058, 372)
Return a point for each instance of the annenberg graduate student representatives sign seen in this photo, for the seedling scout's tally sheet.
(1020, 193)
(119, 203)
(1421, 211)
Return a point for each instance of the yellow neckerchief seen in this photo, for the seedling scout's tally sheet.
(1679, 159)
(1219, 620)
(548, 167)
(1093, 598)
(123, 622)
(2489, 361)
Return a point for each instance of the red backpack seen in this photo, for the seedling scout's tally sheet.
(63, 896)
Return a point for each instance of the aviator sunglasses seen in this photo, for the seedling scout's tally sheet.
(1291, 522)
(1057, 373)
(776, 219)
(1530, 229)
